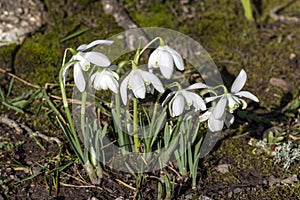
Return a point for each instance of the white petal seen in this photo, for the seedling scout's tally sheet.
(198, 102)
(248, 95)
(91, 81)
(233, 102)
(97, 58)
(85, 47)
(177, 58)
(82, 47)
(123, 88)
(237, 99)
(168, 97)
(108, 81)
(79, 78)
(104, 81)
(196, 86)
(165, 62)
(153, 59)
(220, 108)
(66, 71)
(215, 125)
(113, 85)
(205, 116)
(239, 82)
(112, 74)
(84, 63)
(100, 81)
(151, 78)
(178, 105)
(244, 103)
(194, 99)
(138, 86)
(209, 99)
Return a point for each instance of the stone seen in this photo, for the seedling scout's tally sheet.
(223, 168)
(280, 83)
(19, 17)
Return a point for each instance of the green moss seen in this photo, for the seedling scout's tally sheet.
(158, 15)
(38, 59)
(6, 56)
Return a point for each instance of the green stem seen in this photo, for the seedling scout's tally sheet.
(66, 105)
(179, 120)
(82, 114)
(224, 88)
(139, 53)
(135, 125)
(121, 137)
(175, 84)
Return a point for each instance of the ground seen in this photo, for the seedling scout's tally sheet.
(237, 168)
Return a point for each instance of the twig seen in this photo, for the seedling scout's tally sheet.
(283, 18)
(126, 185)
(107, 145)
(177, 174)
(11, 123)
(81, 186)
(20, 79)
(73, 101)
(74, 177)
(40, 135)
(161, 179)
(18, 127)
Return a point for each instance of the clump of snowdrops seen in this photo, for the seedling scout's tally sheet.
(152, 116)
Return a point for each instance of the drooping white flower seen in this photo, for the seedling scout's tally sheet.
(105, 79)
(83, 59)
(137, 80)
(184, 99)
(228, 102)
(164, 58)
(214, 124)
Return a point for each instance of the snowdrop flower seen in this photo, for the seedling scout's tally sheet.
(105, 79)
(164, 57)
(83, 59)
(183, 99)
(214, 124)
(137, 80)
(228, 102)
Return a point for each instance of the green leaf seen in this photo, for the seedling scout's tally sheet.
(270, 137)
(295, 105)
(73, 35)
(248, 9)
(11, 83)
(12, 107)
(76, 147)
(278, 139)
(2, 95)
(21, 103)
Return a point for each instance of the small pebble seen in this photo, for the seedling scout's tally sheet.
(223, 168)
(280, 83)
(187, 197)
(237, 190)
(202, 197)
